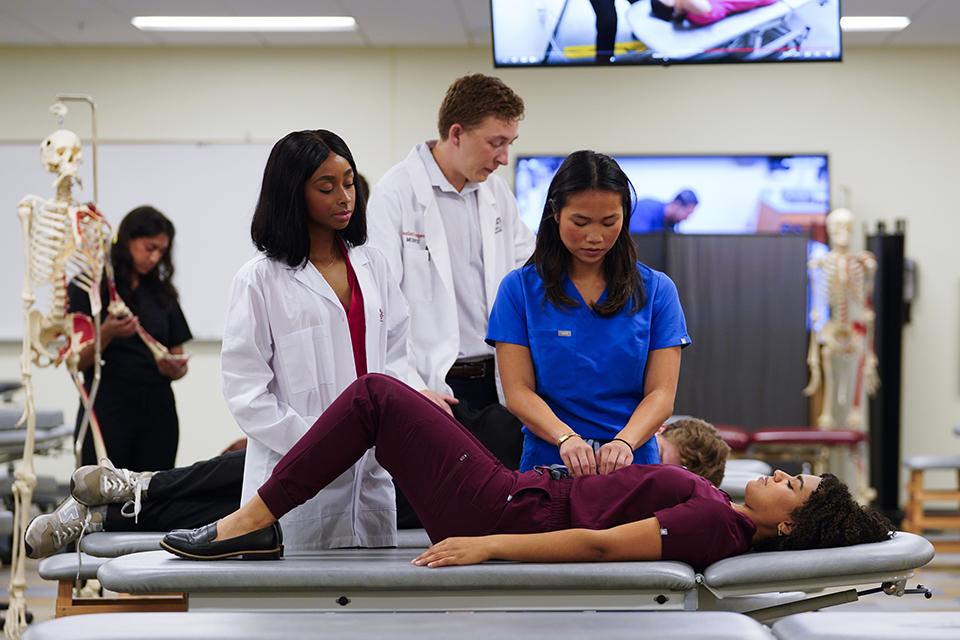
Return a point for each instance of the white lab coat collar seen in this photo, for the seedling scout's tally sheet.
(311, 277)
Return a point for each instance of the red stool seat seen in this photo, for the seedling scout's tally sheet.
(808, 435)
(735, 437)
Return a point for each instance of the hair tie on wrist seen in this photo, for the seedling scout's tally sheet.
(624, 442)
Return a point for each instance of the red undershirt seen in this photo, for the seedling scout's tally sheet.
(356, 321)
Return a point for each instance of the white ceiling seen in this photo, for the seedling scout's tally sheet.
(382, 23)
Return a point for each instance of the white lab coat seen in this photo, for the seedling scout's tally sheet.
(404, 223)
(286, 356)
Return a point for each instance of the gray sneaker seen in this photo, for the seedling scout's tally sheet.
(48, 533)
(105, 484)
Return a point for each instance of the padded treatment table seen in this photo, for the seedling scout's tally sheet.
(384, 579)
(6, 522)
(735, 483)
(748, 465)
(412, 539)
(63, 568)
(686, 41)
(736, 438)
(870, 625)
(46, 419)
(890, 564)
(50, 434)
(105, 544)
(401, 626)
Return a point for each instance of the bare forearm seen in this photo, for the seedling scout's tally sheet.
(569, 545)
(535, 414)
(647, 418)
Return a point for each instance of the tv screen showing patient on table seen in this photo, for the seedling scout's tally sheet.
(656, 32)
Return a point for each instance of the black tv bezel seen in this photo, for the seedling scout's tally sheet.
(674, 155)
(659, 63)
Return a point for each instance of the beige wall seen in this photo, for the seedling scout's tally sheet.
(887, 117)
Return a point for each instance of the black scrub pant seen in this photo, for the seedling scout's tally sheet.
(139, 425)
(606, 28)
(186, 497)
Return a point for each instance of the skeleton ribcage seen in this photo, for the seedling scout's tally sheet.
(66, 246)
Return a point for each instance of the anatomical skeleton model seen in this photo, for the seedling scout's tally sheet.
(65, 243)
(844, 346)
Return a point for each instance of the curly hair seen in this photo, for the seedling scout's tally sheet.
(701, 449)
(830, 518)
(470, 99)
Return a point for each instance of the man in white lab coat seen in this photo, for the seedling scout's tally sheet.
(451, 232)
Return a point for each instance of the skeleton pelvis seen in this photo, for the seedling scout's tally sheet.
(839, 337)
(53, 342)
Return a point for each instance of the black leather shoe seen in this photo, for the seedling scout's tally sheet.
(199, 544)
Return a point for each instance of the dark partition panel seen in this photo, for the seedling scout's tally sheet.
(885, 405)
(745, 304)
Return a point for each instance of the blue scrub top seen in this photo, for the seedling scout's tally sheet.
(589, 368)
(649, 217)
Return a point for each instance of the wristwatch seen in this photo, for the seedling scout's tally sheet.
(566, 437)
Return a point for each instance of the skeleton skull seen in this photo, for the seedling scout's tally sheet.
(60, 152)
(840, 227)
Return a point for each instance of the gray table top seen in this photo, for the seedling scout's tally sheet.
(379, 569)
(402, 626)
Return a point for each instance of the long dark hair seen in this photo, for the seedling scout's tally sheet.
(279, 227)
(143, 222)
(584, 171)
(830, 518)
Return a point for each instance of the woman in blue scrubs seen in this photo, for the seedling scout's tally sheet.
(588, 339)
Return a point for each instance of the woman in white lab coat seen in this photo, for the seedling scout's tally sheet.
(311, 312)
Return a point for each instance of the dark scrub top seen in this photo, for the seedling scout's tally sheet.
(129, 358)
(697, 524)
(648, 217)
(135, 404)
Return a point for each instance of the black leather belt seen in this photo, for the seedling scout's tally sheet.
(473, 369)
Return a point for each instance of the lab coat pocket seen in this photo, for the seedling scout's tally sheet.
(417, 276)
(303, 360)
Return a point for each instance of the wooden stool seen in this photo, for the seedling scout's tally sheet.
(916, 519)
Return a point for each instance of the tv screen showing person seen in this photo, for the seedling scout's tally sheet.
(655, 32)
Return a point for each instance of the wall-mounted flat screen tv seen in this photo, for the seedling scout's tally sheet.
(658, 32)
(709, 194)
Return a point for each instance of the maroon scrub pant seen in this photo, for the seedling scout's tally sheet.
(454, 484)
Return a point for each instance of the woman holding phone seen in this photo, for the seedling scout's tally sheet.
(135, 404)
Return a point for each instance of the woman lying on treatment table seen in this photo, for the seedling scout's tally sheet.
(639, 512)
(702, 12)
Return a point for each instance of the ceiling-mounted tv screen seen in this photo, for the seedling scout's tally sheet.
(657, 32)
